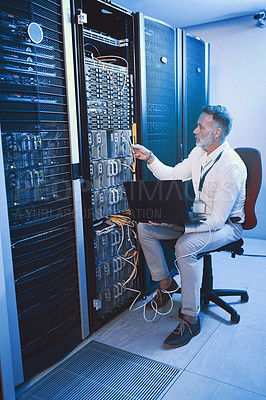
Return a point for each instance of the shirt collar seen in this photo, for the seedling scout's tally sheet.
(207, 159)
(216, 152)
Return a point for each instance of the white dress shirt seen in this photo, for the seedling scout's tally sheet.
(224, 187)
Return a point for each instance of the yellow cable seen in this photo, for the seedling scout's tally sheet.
(106, 57)
(125, 220)
(132, 155)
(129, 145)
(130, 167)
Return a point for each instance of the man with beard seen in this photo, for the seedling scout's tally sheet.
(219, 177)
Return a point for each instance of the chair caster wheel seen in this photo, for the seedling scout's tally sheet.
(244, 298)
(235, 318)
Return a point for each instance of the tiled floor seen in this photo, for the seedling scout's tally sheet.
(225, 361)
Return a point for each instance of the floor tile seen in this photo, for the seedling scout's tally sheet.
(253, 313)
(257, 274)
(225, 361)
(230, 273)
(235, 355)
(132, 333)
(241, 272)
(190, 386)
(254, 246)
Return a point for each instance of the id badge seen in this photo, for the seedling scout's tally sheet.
(199, 207)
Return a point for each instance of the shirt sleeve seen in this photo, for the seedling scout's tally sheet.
(182, 170)
(229, 184)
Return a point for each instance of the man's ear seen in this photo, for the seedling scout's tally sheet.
(217, 133)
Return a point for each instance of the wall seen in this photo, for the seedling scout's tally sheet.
(238, 81)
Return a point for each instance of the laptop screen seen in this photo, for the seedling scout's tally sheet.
(157, 201)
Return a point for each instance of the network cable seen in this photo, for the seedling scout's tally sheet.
(106, 58)
(132, 166)
(122, 221)
(153, 303)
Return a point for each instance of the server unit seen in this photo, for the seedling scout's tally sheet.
(105, 64)
(35, 136)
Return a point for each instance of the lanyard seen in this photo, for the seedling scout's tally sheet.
(202, 179)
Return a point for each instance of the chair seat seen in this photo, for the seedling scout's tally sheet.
(233, 247)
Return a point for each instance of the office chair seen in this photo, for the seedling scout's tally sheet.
(252, 160)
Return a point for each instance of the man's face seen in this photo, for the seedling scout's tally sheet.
(204, 131)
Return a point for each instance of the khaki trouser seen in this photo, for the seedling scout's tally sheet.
(187, 245)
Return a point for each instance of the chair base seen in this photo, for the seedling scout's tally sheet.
(214, 297)
(209, 294)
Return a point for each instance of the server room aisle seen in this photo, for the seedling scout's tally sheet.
(224, 361)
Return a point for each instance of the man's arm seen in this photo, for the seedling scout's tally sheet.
(161, 171)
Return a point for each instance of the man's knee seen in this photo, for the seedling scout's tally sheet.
(184, 247)
(145, 232)
(141, 228)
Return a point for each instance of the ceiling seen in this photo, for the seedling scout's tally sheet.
(184, 13)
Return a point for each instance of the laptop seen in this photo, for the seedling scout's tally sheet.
(158, 201)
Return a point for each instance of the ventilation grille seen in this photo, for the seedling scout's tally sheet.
(35, 139)
(103, 372)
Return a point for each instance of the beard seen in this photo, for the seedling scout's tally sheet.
(204, 143)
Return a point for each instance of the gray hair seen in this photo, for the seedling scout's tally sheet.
(221, 116)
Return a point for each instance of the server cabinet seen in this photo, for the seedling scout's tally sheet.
(195, 86)
(10, 356)
(160, 104)
(39, 186)
(173, 87)
(158, 66)
(106, 75)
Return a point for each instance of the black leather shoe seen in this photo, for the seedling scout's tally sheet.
(162, 297)
(182, 334)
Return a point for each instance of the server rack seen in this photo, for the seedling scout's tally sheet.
(7, 385)
(43, 172)
(195, 75)
(159, 94)
(106, 83)
(46, 308)
(160, 107)
(195, 83)
(173, 87)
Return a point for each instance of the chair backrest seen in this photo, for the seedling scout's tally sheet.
(252, 160)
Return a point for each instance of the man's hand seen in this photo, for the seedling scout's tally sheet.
(141, 153)
(172, 227)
